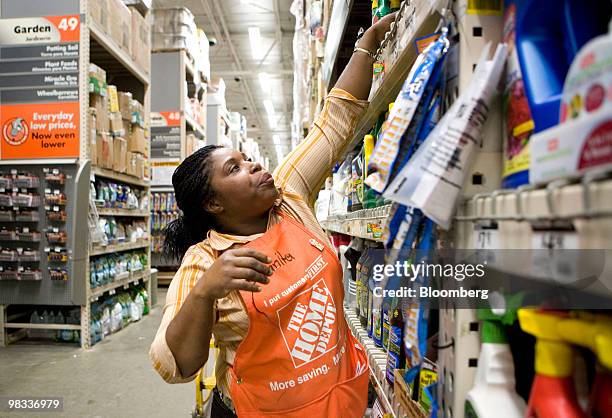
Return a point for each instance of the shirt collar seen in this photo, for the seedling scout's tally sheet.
(221, 242)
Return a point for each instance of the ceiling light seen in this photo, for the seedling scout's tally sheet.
(265, 82)
(255, 39)
(271, 113)
(276, 139)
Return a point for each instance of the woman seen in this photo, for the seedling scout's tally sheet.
(259, 273)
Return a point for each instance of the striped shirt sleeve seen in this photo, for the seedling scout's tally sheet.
(194, 264)
(307, 166)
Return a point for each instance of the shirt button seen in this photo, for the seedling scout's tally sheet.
(239, 380)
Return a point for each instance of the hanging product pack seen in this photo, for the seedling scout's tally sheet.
(431, 181)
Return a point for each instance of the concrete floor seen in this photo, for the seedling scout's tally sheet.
(113, 379)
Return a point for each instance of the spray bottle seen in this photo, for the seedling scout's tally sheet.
(494, 392)
(594, 332)
(553, 393)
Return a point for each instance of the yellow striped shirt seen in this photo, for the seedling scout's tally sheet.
(299, 178)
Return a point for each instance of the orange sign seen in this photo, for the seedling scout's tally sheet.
(43, 130)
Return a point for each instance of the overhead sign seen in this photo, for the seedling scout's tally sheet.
(39, 87)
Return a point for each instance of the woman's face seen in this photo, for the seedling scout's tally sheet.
(243, 189)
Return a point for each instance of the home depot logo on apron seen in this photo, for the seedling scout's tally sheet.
(299, 358)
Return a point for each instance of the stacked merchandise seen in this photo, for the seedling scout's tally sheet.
(117, 311)
(125, 24)
(110, 268)
(53, 315)
(164, 211)
(121, 230)
(108, 194)
(116, 127)
(175, 29)
(25, 235)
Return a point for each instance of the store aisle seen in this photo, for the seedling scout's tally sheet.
(113, 379)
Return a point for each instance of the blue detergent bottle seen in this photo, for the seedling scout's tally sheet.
(549, 34)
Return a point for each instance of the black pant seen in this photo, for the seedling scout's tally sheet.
(219, 408)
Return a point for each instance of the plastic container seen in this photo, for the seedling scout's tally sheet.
(553, 394)
(549, 34)
(518, 123)
(494, 392)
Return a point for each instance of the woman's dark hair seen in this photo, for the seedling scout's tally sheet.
(191, 182)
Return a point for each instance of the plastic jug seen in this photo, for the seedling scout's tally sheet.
(549, 34)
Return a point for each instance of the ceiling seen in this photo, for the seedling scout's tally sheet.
(228, 22)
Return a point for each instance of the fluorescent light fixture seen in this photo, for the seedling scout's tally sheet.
(265, 82)
(271, 113)
(256, 46)
(276, 139)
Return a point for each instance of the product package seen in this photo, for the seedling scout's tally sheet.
(431, 181)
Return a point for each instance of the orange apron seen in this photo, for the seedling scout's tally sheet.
(299, 358)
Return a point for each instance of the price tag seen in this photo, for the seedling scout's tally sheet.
(47, 207)
(58, 249)
(56, 208)
(48, 191)
(47, 249)
(24, 190)
(55, 171)
(16, 208)
(19, 251)
(15, 189)
(2, 190)
(14, 171)
(126, 286)
(56, 230)
(45, 170)
(26, 230)
(111, 292)
(20, 269)
(56, 192)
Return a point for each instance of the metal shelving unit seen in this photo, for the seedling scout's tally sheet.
(115, 248)
(120, 177)
(122, 212)
(366, 223)
(94, 46)
(124, 282)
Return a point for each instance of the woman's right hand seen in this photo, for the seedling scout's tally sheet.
(237, 269)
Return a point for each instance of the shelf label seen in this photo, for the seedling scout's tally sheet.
(39, 85)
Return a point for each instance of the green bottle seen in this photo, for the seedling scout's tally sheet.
(383, 9)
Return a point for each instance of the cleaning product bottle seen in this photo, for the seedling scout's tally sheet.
(370, 195)
(552, 393)
(586, 331)
(383, 9)
(494, 392)
(518, 124)
(549, 33)
(395, 5)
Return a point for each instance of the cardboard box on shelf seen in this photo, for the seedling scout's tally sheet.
(137, 113)
(141, 41)
(113, 98)
(125, 104)
(119, 155)
(137, 141)
(100, 103)
(121, 24)
(99, 13)
(135, 166)
(116, 124)
(97, 80)
(104, 150)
